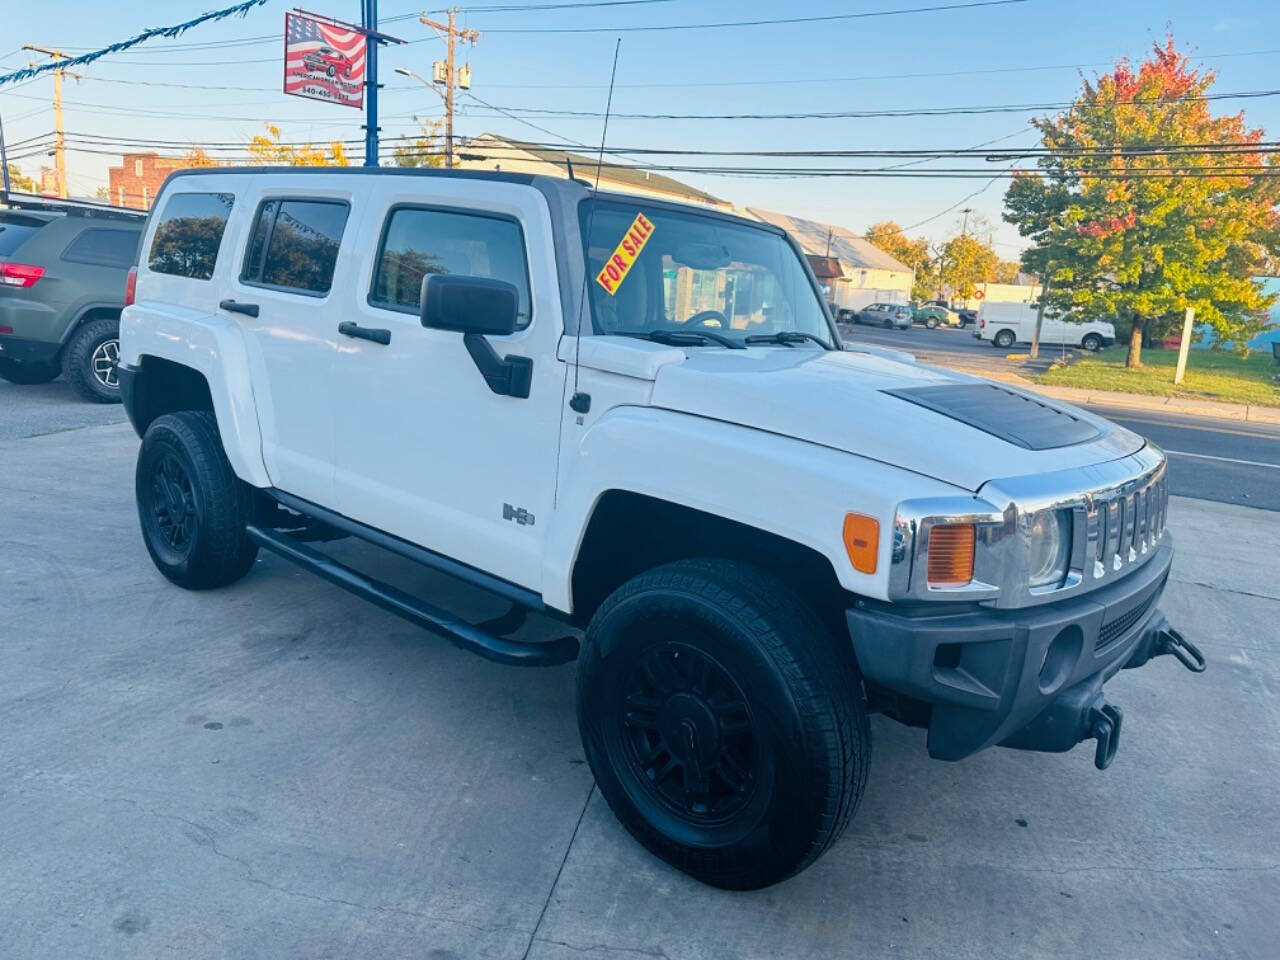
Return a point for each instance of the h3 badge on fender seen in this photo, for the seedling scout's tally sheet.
(519, 514)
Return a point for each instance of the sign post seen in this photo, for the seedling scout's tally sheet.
(370, 24)
(1185, 345)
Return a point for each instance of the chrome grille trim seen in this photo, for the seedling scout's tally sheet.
(1125, 522)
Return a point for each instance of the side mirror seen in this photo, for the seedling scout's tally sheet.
(468, 304)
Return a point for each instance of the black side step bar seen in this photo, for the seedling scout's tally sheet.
(462, 634)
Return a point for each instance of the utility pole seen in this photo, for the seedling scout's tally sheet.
(451, 35)
(964, 229)
(60, 146)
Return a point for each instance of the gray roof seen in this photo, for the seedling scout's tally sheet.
(844, 245)
(584, 167)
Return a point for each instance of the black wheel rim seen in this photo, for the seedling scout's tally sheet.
(688, 734)
(173, 505)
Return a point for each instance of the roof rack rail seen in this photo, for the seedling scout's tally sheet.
(79, 208)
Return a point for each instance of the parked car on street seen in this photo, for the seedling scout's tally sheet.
(1005, 324)
(967, 316)
(885, 315)
(635, 418)
(63, 268)
(932, 316)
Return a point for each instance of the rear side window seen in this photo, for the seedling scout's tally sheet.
(104, 247)
(295, 244)
(188, 234)
(418, 241)
(15, 231)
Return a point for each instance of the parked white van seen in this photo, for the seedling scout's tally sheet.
(1005, 324)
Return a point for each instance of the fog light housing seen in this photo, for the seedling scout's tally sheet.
(1049, 538)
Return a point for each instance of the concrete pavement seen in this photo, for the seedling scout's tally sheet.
(279, 770)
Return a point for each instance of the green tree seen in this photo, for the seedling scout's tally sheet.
(20, 184)
(268, 150)
(966, 262)
(1134, 219)
(888, 236)
(1007, 271)
(423, 150)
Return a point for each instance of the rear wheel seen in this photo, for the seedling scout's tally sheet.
(92, 356)
(1004, 339)
(931, 323)
(27, 373)
(192, 507)
(1092, 342)
(724, 725)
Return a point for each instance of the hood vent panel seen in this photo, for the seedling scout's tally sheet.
(1013, 417)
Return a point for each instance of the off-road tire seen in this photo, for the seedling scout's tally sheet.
(809, 740)
(1003, 340)
(1092, 342)
(80, 359)
(182, 460)
(27, 373)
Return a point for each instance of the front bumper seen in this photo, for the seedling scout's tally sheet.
(1029, 678)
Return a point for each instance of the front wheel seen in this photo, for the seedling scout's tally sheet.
(1092, 342)
(192, 507)
(724, 724)
(931, 323)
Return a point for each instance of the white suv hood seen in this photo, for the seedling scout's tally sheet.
(836, 399)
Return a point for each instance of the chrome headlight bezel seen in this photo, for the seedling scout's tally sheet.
(1049, 541)
(1080, 501)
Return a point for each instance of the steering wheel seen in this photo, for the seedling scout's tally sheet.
(700, 319)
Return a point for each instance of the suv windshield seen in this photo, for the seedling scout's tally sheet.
(656, 273)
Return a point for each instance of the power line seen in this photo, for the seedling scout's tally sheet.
(780, 21)
(900, 112)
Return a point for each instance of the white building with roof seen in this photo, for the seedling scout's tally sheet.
(855, 271)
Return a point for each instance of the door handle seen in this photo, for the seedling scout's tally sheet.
(248, 309)
(376, 334)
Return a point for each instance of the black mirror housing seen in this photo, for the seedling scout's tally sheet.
(469, 304)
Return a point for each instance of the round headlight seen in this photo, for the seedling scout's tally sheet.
(1050, 536)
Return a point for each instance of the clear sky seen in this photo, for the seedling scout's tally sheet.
(1031, 52)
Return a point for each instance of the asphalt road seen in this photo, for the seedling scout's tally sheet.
(30, 411)
(278, 770)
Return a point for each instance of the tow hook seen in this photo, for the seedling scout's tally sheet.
(1104, 726)
(1170, 641)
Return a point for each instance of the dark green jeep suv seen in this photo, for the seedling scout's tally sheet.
(62, 280)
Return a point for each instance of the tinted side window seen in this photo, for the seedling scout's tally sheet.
(15, 231)
(295, 244)
(188, 234)
(104, 247)
(417, 242)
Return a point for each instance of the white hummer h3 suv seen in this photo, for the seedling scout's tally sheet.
(637, 418)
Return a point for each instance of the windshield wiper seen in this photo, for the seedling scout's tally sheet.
(787, 337)
(682, 338)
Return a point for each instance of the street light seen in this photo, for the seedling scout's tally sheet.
(448, 140)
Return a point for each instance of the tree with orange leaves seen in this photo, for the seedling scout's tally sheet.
(1147, 204)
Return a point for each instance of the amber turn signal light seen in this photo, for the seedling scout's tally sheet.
(862, 541)
(951, 554)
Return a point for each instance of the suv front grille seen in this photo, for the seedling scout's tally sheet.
(1124, 523)
(1113, 630)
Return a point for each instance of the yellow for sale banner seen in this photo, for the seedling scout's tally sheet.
(625, 254)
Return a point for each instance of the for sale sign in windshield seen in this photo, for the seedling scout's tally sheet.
(323, 61)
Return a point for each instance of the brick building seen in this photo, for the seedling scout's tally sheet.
(137, 180)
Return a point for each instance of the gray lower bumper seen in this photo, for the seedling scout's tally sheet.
(989, 676)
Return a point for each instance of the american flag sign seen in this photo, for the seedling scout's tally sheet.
(323, 61)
